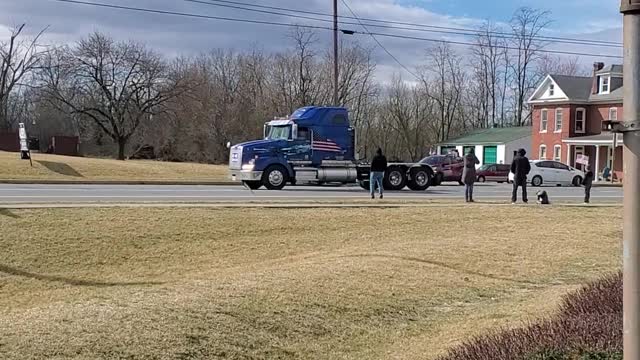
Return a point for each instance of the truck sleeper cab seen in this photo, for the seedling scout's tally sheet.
(314, 145)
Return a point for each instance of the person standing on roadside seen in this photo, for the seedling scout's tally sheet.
(520, 167)
(469, 174)
(378, 167)
(587, 182)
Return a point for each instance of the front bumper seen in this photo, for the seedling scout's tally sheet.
(245, 175)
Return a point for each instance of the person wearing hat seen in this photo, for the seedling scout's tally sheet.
(520, 167)
(378, 167)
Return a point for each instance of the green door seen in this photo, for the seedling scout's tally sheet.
(490, 155)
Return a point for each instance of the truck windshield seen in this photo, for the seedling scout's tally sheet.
(279, 133)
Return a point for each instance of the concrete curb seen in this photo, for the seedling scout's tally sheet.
(285, 205)
(616, 185)
(117, 182)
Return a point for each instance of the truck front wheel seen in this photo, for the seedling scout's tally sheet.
(275, 177)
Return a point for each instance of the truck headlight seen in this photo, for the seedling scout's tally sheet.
(250, 165)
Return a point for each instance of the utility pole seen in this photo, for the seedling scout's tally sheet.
(335, 53)
(631, 219)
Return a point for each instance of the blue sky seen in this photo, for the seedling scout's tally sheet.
(174, 35)
(567, 14)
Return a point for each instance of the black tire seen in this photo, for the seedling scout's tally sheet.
(395, 178)
(437, 180)
(365, 184)
(275, 177)
(420, 179)
(481, 179)
(536, 181)
(253, 185)
(577, 181)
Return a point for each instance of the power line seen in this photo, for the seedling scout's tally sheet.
(459, 32)
(498, 47)
(474, 31)
(199, 16)
(380, 44)
(210, 17)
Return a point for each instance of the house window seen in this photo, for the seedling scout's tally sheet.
(543, 152)
(613, 114)
(544, 118)
(580, 120)
(557, 152)
(558, 127)
(604, 84)
(551, 89)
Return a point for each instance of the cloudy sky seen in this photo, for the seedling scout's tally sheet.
(584, 19)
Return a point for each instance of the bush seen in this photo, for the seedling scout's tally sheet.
(588, 326)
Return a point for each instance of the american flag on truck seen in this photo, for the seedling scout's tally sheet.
(322, 144)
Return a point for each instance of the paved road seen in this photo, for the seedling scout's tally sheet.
(158, 193)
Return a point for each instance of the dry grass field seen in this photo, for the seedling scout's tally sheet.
(56, 167)
(195, 283)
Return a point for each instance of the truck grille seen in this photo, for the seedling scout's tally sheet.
(235, 158)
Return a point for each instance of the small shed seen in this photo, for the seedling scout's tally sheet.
(492, 146)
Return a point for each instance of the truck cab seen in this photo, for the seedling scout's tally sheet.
(310, 137)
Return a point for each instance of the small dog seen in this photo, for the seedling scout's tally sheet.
(543, 198)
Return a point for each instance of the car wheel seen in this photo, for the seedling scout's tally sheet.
(438, 179)
(481, 179)
(253, 185)
(275, 177)
(536, 181)
(394, 179)
(419, 180)
(577, 181)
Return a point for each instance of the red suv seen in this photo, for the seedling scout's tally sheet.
(446, 168)
(493, 172)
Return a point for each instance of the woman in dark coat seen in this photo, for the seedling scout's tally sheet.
(469, 174)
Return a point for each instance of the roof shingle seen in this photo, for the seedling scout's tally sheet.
(494, 136)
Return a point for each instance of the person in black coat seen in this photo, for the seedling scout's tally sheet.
(587, 182)
(378, 167)
(520, 167)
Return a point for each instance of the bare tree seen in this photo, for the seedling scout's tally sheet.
(116, 85)
(18, 59)
(527, 24)
(487, 57)
(444, 87)
(557, 65)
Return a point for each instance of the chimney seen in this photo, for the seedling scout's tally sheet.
(597, 66)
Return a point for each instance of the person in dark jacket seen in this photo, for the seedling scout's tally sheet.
(378, 167)
(587, 182)
(469, 174)
(520, 167)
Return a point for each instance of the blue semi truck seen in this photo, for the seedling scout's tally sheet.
(315, 145)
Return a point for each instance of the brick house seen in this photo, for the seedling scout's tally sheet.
(570, 115)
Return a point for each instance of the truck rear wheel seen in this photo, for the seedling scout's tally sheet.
(420, 179)
(395, 178)
(275, 177)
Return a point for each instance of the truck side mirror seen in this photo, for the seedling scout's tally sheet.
(228, 144)
(294, 131)
(265, 130)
